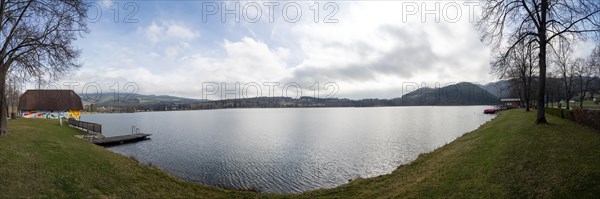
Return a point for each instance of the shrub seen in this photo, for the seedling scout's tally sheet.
(568, 114)
(555, 111)
(587, 117)
(559, 112)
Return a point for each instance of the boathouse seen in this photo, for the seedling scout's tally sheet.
(51, 104)
(511, 102)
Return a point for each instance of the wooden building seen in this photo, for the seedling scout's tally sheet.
(511, 102)
(52, 104)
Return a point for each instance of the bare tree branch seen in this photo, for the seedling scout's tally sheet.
(510, 22)
(37, 39)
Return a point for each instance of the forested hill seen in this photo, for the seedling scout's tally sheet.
(458, 94)
(463, 93)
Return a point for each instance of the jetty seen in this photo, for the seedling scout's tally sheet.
(95, 136)
(121, 139)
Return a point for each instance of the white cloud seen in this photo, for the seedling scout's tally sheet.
(255, 59)
(154, 32)
(169, 31)
(180, 32)
(173, 38)
(372, 48)
(246, 60)
(369, 52)
(106, 3)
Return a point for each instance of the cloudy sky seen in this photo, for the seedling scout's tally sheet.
(363, 49)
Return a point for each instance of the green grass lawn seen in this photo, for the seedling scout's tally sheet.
(505, 158)
(39, 158)
(586, 104)
(589, 104)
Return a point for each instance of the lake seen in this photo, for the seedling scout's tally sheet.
(288, 150)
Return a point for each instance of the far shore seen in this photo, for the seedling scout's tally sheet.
(87, 112)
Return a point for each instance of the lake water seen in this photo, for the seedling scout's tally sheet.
(288, 150)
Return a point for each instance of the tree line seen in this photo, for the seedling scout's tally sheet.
(37, 40)
(534, 37)
(570, 78)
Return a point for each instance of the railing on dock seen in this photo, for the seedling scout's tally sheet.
(89, 127)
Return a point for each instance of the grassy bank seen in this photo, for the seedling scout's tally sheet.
(507, 157)
(39, 158)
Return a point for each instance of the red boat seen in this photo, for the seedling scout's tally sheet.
(493, 110)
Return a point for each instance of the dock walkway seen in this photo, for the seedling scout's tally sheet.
(95, 134)
(120, 139)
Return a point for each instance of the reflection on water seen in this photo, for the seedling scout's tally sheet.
(288, 150)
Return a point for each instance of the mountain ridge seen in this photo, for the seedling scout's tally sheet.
(462, 93)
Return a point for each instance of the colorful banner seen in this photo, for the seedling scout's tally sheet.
(75, 114)
(51, 115)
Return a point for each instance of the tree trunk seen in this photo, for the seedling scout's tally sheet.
(529, 92)
(568, 94)
(526, 94)
(582, 92)
(541, 117)
(3, 105)
(549, 100)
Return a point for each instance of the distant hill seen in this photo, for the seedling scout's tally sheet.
(463, 93)
(458, 94)
(500, 89)
(136, 101)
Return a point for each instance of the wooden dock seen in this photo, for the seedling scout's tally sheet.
(120, 139)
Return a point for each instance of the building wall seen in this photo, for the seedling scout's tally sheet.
(513, 104)
(51, 114)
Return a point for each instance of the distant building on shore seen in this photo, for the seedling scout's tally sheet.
(52, 104)
(511, 102)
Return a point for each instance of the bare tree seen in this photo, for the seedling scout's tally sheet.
(37, 38)
(13, 91)
(584, 73)
(594, 63)
(518, 65)
(565, 67)
(538, 21)
(553, 87)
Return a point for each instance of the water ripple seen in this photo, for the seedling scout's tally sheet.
(288, 150)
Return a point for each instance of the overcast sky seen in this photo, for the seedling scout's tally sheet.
(368, 49)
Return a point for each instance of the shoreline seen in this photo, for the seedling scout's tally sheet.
(349, 180)
(508, 156)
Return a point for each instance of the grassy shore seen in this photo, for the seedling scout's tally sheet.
(39, 158)
(505, 158)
